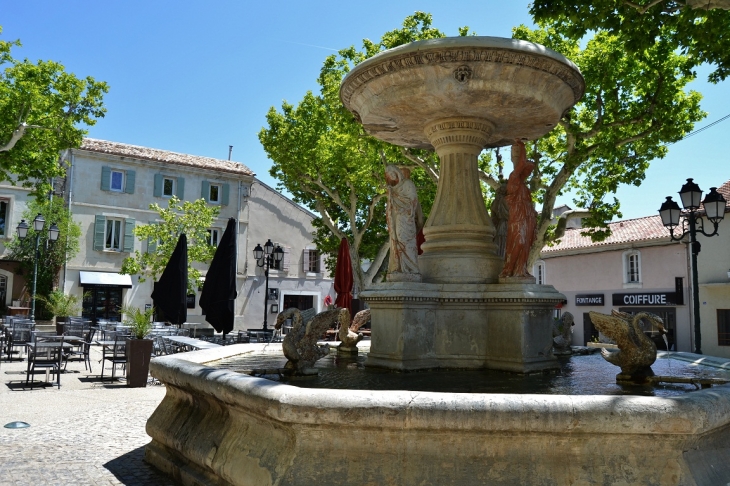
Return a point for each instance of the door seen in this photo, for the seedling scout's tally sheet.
(102, 303)
(590, 333)
(301, 302)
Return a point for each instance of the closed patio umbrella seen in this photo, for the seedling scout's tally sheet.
(170, 293)
(219, 289)
(343, 276)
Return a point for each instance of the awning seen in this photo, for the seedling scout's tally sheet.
(88, 279)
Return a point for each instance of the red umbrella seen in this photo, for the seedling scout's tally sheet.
(343, 276)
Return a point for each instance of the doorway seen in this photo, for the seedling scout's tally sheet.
(102, 303)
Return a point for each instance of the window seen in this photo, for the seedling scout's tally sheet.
(214, 194)
(310, 261)
(213, 236)
(168, 187)
(117, 181)
(539, 272)
(632, 269)
(723, 327)
(113, 235)
(3, 216)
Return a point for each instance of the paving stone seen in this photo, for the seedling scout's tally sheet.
(88, 432)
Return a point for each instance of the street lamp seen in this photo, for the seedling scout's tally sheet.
(53, 231)
(265, 257)
(692, 223)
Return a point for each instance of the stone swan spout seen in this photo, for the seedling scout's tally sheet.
(637, 352)
(348, 333)
(300, 344)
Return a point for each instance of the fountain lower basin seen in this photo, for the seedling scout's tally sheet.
(215, 426)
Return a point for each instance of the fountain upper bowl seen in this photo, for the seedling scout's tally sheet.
(516, 88)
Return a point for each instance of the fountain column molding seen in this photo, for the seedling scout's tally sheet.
(459, 233)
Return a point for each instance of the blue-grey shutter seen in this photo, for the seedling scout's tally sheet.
(129, 186)
(180, 188)
(128, 235)
(226, 191)
(158, 185)
(205, 191)
(106, 177)
(151, 243)
(99, 228)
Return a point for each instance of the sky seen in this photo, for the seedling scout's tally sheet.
(195, 77)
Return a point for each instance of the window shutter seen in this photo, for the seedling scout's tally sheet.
(129, 186)
(106, 177)
(158, 186)
(205, 191)
(99, 227)
(285, 260)
(180, 188)
(151, 243)
(305, 260)
(128, 235)
(226, 192)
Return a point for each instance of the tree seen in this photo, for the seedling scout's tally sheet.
(52, 255)
(698, 28)
(41, 106)
(323, 157)
(192, 218)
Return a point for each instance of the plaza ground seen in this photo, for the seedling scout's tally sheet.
(88, 432)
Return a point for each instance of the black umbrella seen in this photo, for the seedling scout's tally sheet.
(170, 293)
(219, 289)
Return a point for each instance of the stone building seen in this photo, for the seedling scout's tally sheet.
(109, 187)
(640, 268)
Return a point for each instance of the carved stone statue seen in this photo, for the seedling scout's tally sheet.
(349, 337)
(405, 219)
(636, 351)
(563, 335)
(522, 217)
(300, 344)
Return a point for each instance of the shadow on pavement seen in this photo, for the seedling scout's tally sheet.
(131, 470)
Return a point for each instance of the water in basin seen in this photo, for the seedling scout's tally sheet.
(578, 375)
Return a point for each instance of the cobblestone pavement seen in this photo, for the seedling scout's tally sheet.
(85, 433)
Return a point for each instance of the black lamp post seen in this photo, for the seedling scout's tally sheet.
(53, 231)
(265, 257)
(692, 223)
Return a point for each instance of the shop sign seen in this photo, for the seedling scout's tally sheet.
(589, 299)
(648, 298)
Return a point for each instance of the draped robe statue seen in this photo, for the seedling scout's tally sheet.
(522, 220)
(405, 219)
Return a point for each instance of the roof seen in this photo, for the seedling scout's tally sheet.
(627, 231)
(157, 155)
(725, 191)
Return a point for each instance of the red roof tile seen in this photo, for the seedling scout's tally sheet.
(157, 155)
(640, 229)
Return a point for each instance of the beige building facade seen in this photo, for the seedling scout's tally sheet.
(109, 187)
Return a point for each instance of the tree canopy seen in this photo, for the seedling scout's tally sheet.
(194, 218)
(700, 29)
(635, 103)
(52, 255)
(41, 109)
(324, 158)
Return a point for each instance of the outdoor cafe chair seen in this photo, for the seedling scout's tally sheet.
(115, 353)
(18, 337)
(45, 352)
(82, 348)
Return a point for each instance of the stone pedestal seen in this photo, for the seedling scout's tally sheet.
(469, 326)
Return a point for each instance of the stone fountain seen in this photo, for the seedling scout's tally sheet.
(457, 95)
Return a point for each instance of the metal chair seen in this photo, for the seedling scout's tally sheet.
(19, 336)
(116, 354)
(45, 352)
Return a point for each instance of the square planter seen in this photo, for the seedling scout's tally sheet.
(139, 353)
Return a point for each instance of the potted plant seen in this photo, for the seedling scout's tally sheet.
(61, 306)
(139, 349)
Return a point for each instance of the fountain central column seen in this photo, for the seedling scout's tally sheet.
(459, 233)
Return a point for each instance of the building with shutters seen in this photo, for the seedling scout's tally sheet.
(109, 187)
